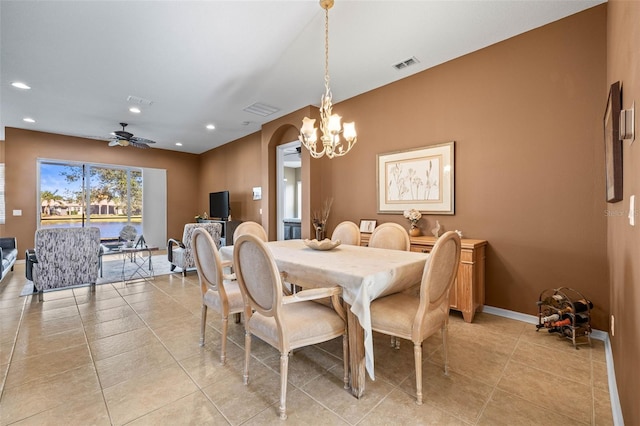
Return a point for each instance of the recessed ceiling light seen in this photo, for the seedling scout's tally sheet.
(29, 120)
(135, 110)
(178, 143)
(20, 85)
(210, 126)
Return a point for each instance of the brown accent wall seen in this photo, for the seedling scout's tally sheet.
(234, 167)
(623, 240)
(24, 147)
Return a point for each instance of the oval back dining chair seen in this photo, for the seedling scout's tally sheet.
(284, 322)
(347, 232)
(223, 296)
(416, 317)
(249, 227)
(390, 236)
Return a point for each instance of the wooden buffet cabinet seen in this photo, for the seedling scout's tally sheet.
(467, 293)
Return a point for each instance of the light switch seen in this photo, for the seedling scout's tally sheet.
(17, 212)
(632, 210)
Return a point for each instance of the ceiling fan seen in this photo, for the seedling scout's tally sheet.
(124, 138)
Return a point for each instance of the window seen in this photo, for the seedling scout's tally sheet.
(82, 194)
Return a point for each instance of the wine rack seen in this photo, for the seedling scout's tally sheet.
(567, 312)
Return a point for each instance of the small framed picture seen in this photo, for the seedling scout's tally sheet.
(367, 225)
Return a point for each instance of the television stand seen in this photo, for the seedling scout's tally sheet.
(228, 228)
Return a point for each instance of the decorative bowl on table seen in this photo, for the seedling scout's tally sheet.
(325, 244)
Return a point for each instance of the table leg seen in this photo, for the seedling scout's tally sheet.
(356, 354)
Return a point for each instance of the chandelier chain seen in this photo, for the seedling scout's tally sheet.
(326, 49)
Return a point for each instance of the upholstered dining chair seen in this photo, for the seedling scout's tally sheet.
(347, 232)
(284, 322)
(390, 236)
(416, 317)
(223, 296)
(253, 228)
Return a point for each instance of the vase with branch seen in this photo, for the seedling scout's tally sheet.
(320, 218)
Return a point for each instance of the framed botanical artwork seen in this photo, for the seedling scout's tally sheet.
(421, 179)
(613, 145)
(367, 225)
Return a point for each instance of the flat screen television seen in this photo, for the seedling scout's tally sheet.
(219, 207)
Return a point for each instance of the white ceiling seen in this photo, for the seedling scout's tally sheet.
(203, 62)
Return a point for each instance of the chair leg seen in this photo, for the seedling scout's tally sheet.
(284, 370)
(204, 324)
(247, 356)
(93, 287)
(173, 267)
(345, 358)
(223, 349)
(417, 354)
(238, 317)
(184, 272)
(395, 343)
(40, 296)
(445, 332)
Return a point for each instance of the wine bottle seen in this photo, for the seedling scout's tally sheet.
(550, 318)
(582, 305)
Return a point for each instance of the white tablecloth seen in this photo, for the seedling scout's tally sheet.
(364, 273)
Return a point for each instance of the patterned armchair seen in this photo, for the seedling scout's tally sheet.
(63, 257)
(180, 253)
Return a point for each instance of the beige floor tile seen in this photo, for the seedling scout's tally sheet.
(38, 329)
(182, 346)
(133, 398)
(89, 409)
(600, 376)
(239, 402)
(36, 396)
(6, 349)
(301, 410)
(556, 363)
(131, 364)
(305, 364)
(33, 311)
(555, 342)
(26, 369)
(492, 323)
(400, 408)
(458, 395)
(602, 407)
(160, 317)
(554, 392)
(10, 302)
(9, 328)
(193, 409)
(205, 368)
(100, 330)
(27, 346)
(119, 343)
(94, 305)
(328, 389)
(110, 314)
(520, 412)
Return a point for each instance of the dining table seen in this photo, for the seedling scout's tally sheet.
(363, 273)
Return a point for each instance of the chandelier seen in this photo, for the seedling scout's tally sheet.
(333, 144)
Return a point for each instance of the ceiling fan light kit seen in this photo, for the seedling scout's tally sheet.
(124, 138)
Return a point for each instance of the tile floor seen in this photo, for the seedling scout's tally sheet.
(130, 355)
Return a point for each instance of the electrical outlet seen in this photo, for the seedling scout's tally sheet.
(613, 326)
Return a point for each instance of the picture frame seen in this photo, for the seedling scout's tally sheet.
(421, 179)
(613, 145)
(367, 225)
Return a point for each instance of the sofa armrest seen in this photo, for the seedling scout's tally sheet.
(30, 259)
(170, 245)
(8, 243)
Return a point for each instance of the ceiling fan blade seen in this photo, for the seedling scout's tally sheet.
(114, 143)
(141, 140)
(122, 134)
(139, 145)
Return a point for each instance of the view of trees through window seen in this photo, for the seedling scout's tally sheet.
(74, 195)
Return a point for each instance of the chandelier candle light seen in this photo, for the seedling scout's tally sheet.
(332, 144)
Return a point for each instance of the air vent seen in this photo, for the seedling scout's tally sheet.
(261, 109)
(407, 63)
(138, 100)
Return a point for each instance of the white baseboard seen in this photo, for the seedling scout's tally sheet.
(616, 410)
